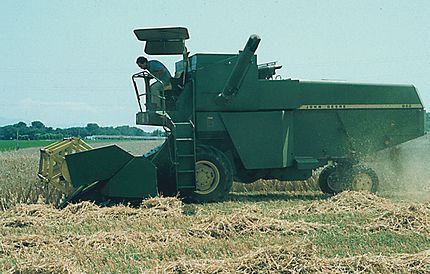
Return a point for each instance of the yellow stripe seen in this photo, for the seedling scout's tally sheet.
(360, 106)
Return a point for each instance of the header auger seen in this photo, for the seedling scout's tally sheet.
(229, 119)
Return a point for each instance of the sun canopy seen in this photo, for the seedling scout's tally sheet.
(163, 41)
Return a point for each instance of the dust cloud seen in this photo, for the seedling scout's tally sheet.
(404, 171)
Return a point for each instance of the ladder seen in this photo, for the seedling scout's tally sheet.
(184, 154)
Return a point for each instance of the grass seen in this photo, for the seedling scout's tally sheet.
(345, 241)
(6, 145)
(225, 236)
(255, 230)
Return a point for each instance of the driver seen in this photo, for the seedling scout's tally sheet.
(163, 76)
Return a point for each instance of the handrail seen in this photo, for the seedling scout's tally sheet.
(136, 90)
(147, 75)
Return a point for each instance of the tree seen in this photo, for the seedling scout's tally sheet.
(92, 128)
(37, 124)
(37, 130)
(21, 129)
(20, 125)
(8, 132)
(157, 132)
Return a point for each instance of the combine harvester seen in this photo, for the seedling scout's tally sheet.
(229, 118)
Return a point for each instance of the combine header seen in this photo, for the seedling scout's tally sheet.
(229, 118)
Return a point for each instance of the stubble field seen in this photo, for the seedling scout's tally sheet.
(269, 226)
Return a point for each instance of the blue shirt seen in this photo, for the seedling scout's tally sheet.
(160, 71)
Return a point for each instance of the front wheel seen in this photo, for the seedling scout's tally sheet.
(214, 175)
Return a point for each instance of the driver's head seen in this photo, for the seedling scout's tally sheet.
(142, 62)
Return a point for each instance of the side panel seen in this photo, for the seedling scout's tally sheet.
(342, 93)
(96, 165)
(211, 71)
(375, 129)
(122, 175)
(262, 139)
(137, 179)
(319, 134)
(348, 133)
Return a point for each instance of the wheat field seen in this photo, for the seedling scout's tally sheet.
(265, 227)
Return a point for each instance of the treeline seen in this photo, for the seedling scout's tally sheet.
(38, 131)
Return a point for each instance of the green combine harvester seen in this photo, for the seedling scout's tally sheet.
(229, 118)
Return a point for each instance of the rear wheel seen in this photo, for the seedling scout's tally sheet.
(332, 180)
(214, 175)
(340, 177)
(364, 179)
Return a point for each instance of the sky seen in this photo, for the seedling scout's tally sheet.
(69, 63)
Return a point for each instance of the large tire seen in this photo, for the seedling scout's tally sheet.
(337, 178)
(364, 179)
(214, 175)
(334, 179)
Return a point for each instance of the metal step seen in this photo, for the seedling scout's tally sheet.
(184, 154)
(184, 139)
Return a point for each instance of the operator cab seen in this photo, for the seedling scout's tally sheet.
(162, 41)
